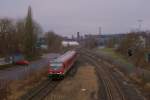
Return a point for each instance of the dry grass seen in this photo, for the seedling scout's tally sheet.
(83, 86)
(19, 87)
(4, 89)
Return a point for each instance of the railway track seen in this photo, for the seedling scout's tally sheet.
(110, 85)
(114, 85)
(46, 87)
(111, 89)
(41, 91)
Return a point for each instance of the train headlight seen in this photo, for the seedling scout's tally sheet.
(60, 73)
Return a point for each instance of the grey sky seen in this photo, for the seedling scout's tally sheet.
(69, 16)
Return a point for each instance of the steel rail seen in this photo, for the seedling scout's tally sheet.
(39, 92)
(105, 83)
(114, 81)
(44, 88)
(110, 84)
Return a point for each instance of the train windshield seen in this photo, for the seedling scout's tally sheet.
(56, 65)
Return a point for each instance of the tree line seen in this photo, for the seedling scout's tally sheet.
(21, 36)
(135, 46)
(53, 41)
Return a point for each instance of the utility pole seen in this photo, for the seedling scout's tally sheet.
(100, 33)
(140, 24)
(78, 36)
(99, 30)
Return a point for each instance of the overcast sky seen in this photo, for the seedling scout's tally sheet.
(70, 16)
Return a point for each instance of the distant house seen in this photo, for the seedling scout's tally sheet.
(70, 43)
(41, 43)
(103, 40)
(145, 38)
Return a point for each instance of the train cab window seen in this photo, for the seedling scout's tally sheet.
(56, 65)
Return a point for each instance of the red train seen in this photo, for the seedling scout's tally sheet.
(61, 65)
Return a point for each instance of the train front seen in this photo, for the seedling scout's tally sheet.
(56, 70)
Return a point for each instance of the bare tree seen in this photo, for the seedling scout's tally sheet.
(111, 43)
(19, 36)
(132, 41)
(54, 41)
(90, 42)
(7, 30)
(133, 47)
(20, 32)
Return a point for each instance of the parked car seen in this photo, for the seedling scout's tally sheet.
(22, 62)
(19, 59)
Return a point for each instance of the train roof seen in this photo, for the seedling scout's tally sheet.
(65, 56)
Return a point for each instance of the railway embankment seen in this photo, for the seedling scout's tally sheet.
(139, 76)
(14, 89)
(81, 86)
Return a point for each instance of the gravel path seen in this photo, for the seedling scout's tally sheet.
(83, 86)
